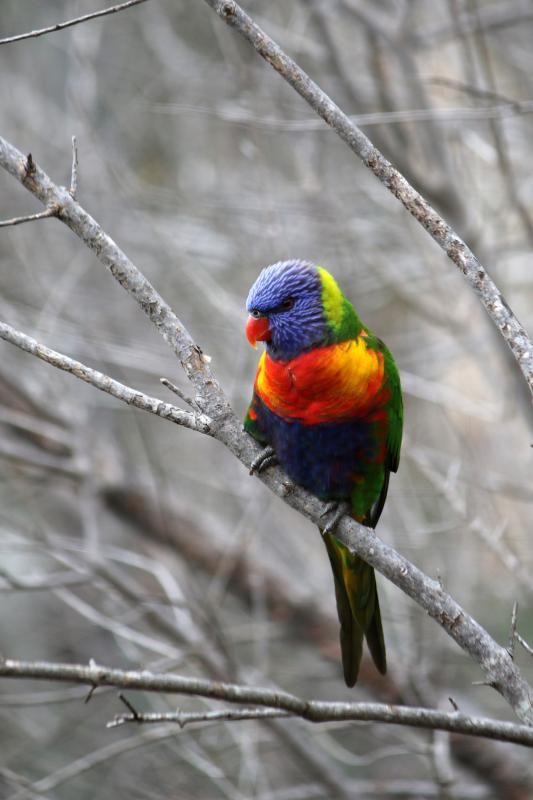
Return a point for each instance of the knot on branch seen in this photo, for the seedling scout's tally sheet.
(29, 167)
(228, 9)
(449, 622)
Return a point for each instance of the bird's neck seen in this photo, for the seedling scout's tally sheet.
(321, 334)
(348, 327)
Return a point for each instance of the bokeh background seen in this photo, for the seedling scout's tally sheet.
(138, 544)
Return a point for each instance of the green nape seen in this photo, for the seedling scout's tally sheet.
(341, 316)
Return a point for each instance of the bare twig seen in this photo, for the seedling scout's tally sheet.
(133, 715)
(515, 636)
(527, 647)
(510, 108)
(195, 365)
(512, 635)
(41, 583)
(500, 671)
(441, 763)
(183, 718)
(74, 172)
(176, 389)
(50, 212)
(195, 421)
(311, 710)
(476, 275)
(69, 23)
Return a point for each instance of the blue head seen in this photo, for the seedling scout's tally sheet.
(286, 307)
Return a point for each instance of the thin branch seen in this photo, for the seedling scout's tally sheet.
(183, 718)
(509, 108)
(527, 647)
(512, 635)
(50, 212)
(311, 710)
(515, 636)
(176, 389)
(74, 171)
(41, 583)
(191, 357)
(476, 275)
(500, 671)
(134, 714)
(194, 421)
(69, 23)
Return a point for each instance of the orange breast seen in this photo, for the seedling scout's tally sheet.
(333, 383)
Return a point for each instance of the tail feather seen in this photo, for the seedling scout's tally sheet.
(374, 633)
(357, 609)
(351, 635)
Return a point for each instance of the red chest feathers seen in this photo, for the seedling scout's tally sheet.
(328, 384)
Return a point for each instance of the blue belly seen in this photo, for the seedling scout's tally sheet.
(328, 459)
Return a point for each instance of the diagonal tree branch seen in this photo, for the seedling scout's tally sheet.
(130, 278)
(476, 275)
(311, 710)
(196, 422)
(500, 671)
(69, 23)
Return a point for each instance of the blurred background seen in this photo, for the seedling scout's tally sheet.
(138, 544)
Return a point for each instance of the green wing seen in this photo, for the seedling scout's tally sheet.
(395, 407)
(394, 430)
(250, 421)
(355, 581)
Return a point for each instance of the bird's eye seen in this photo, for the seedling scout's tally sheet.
(287, 304)
(255, 313)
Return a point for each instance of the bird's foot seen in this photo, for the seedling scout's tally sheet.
(337, 509)
(266, 458)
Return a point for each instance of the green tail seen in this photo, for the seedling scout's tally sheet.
(357, 607)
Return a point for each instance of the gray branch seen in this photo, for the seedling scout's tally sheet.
(500, 671)
(74, 170)
(183, 718)
(476, 275)
(49, 212)
(133, 397)
(130, 278)
(292, 705)
(69, 23)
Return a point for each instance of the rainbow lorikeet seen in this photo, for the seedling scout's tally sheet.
(327, 404)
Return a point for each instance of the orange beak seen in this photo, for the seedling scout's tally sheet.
(257, 330)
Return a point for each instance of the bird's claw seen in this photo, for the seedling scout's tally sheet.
(266, 458)
(338, 510)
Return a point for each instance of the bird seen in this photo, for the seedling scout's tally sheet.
(327, 407)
